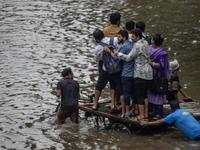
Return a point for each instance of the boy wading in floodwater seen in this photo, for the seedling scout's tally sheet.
(68, 89)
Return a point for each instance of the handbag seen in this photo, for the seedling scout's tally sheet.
(159, 85)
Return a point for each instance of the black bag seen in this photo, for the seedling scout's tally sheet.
(148, 39)
(112, 66)
(159, 85)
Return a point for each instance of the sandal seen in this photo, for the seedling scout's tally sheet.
(120, 116)
(124, 116)
(146, 119)
(156, 117)
(132, 116)
(136, 119)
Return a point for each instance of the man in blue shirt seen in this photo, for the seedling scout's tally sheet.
(184, 121)
(128, 69)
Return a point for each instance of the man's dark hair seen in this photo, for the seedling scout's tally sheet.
(123, 33)
(174, 104)
(130, 25)
(98, 34)
(137, 32)
(140, 25)
(66, 71)
(158, 39)
(114, 18)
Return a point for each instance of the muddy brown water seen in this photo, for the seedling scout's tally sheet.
(39, 38)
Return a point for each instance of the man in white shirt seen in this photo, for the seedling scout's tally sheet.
(104, 77)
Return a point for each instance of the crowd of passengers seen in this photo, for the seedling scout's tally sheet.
(141, 57)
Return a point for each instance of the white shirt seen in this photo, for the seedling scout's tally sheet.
(130, 36)
(99, 49)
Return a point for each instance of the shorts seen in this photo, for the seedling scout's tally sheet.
(140, 87)
(115, 79)
(63, 114)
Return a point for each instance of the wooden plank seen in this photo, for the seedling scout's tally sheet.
(192, 107)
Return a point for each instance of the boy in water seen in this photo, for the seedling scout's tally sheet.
(68, 89)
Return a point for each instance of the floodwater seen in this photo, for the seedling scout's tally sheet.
(39, 38)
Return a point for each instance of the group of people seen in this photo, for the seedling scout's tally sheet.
(141, 57)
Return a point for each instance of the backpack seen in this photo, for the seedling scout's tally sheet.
(148, 39)
(112, 66)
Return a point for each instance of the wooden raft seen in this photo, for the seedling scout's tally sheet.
(102, 111)
(193, 107)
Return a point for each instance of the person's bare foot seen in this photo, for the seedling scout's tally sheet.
(108, 106)
(94, 107)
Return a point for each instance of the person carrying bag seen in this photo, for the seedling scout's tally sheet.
(159, 62)
(159, 85)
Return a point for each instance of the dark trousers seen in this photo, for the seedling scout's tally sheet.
(100, 65)
(140, 86)
(127, 84)
(115, 79)
(73, 114)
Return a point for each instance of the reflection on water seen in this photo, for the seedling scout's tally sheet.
(41, 38)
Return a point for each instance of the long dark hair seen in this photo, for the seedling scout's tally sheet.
(158, 39)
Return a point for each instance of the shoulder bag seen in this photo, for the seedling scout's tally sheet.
(159, 85)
